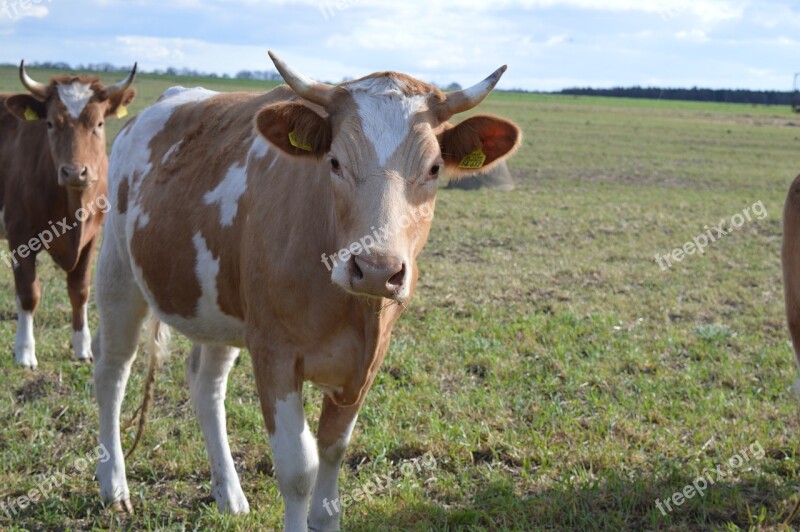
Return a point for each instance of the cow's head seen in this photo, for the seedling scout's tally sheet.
(385, 139)
(74, 110)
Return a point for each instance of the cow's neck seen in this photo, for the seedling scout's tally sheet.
(336, 317)
(82, 227)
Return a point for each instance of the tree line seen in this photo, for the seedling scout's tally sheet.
(261, 75)
(258, 75)
(694, 94)
(653, 93)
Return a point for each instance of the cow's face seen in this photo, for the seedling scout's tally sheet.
(384, 139)
(74, 111)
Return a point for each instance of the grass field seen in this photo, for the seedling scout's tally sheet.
(557, 375)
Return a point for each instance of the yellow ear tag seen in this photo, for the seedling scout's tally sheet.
(122, 111)
(300, 145)
(31, 115)
(473, 160)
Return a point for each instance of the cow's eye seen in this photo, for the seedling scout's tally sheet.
(434, 171)
(49, 125)
(100, 125)
(335, 166)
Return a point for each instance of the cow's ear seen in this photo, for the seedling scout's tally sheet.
(26, 107)
(119, 101)
(477, 143)
(295, 128)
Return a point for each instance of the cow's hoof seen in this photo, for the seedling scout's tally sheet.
(25, 356)
(87, 360)
(82, 345)
(123, 507)
(27, 364)
(232, 503)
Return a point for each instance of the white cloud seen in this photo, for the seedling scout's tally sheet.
(156, 53)
(708, 11)
(16, 10)
(772, 15)
(786, 41)
(697, 36)
(556, 39)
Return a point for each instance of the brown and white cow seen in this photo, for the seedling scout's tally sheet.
(229, 211)
(53, 185)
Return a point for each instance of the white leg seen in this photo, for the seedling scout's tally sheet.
(24, 343)
(294, 453)
(122, 310)
(207, 371)
(326, 510)
(82, 339)
(110, 378)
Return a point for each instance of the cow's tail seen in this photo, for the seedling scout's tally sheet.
(158, 335)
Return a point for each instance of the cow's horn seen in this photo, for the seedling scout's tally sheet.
(313, 91)
(34, 87)
(125, 83)
(464, 100)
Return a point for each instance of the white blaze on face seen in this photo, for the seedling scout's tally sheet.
(75, 96)
(386, 113)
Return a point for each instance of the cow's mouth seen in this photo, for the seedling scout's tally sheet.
(77, 185)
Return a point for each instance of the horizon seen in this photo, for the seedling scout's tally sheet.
(181, 72)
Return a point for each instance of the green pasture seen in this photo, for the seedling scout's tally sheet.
(558, 376)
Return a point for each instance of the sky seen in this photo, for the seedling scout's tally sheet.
(547, 44)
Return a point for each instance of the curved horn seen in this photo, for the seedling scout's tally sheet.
(34, 87)
(305, 87)
(125, 83)
(464, 100)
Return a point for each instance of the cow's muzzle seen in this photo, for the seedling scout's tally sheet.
(378, 276)
(75, 177)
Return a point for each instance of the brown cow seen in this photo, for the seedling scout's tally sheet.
(53, 186)
(288, 223)
(790, 255)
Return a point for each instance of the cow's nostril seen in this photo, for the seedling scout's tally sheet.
(64, 172)
(357, 273)
(397, 279)
(85, 171)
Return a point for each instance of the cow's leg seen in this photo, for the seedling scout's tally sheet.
(207, 370)
(78, 287)
(29, 291)
(294, 451)
(122, 309)
(335, 427)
